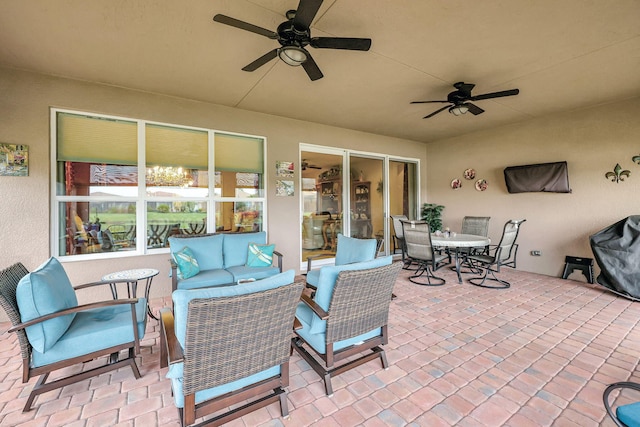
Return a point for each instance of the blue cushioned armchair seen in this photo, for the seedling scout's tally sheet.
(350, 250)
(627, 415)
(347, 316)
(230, 344)
(55, 332)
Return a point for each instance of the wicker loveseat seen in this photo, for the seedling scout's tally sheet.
(221, 259)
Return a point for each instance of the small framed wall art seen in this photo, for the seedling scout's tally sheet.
(14, 159)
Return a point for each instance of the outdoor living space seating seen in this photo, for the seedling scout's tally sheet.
(230, 344)
(540, 353)
(503, 254)
(417, 240)
(348, 316)
(56, 334)
(350, 250)
(205, 260)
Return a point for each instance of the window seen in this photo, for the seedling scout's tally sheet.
(125, 186)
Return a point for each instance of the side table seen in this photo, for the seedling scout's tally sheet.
(132, 277)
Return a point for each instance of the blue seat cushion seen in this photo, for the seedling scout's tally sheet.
(175, 374)
(236, 246)
(629, 414)
(352, 250)
(243, 272)
(318, 340)
(46, 290)
(94, 330)
(313, 276)
(207, 278)
(182, 297)
(206, 249)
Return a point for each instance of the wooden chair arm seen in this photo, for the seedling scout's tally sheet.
(296, 324)
(319, 311)
(174, 275)
(170, 349)
(310, 260)
(76, 309)
(280, 256)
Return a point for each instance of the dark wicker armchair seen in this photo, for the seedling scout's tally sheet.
(355, 323)
(78, 343)
(230, 347)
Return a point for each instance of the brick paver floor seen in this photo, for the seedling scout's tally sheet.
(537, 354)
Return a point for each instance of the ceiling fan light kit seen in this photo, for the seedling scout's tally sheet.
(292, 55)
(458, 110)
(293, 35)
(458, 100)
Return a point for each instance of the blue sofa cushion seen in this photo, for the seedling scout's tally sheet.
(352, 250)
(243, 272)
(181, 297)
(207, 278)
(236, 245)
(46, 290)
(206, 249)
(186, 262)
(629, 414)
(94, 330)
(260, 255)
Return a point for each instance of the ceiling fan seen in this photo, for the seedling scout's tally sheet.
(293, 35)
(305, 165)
(459, 100)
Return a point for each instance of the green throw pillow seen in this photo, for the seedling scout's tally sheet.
(187, 263)
(260, 255)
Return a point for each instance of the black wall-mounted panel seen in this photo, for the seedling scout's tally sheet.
(545, 177)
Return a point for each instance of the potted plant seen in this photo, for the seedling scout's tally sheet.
(432, 213)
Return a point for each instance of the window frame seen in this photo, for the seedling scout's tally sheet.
(142, 198)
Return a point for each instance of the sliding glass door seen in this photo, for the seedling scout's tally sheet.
(352, 193)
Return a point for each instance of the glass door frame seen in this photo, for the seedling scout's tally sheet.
(346, 195)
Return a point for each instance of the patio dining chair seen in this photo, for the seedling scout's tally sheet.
(626, 415)
(417, 239)
(228, 348)
(503, 254)
(55, 333)
(478, 226)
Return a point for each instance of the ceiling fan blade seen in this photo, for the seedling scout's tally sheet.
(227, 20)
(261, 61)
(495, 95)
(473, 109)
(340, 43)
(307, 10)
(312, 69)
(436, 112)
(427, 102)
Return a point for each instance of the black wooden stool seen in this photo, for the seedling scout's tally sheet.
(585, 265)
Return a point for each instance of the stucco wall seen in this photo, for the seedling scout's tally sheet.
(25, 99)
(592, 141)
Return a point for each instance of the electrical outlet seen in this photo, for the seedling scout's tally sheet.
(536, 253)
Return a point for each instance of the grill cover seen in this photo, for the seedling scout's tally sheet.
(617, 252)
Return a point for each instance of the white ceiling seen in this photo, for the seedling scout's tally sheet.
(562, 55)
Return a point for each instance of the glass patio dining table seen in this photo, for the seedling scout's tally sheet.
(457, 241)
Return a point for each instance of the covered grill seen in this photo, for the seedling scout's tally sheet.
(617, 252)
